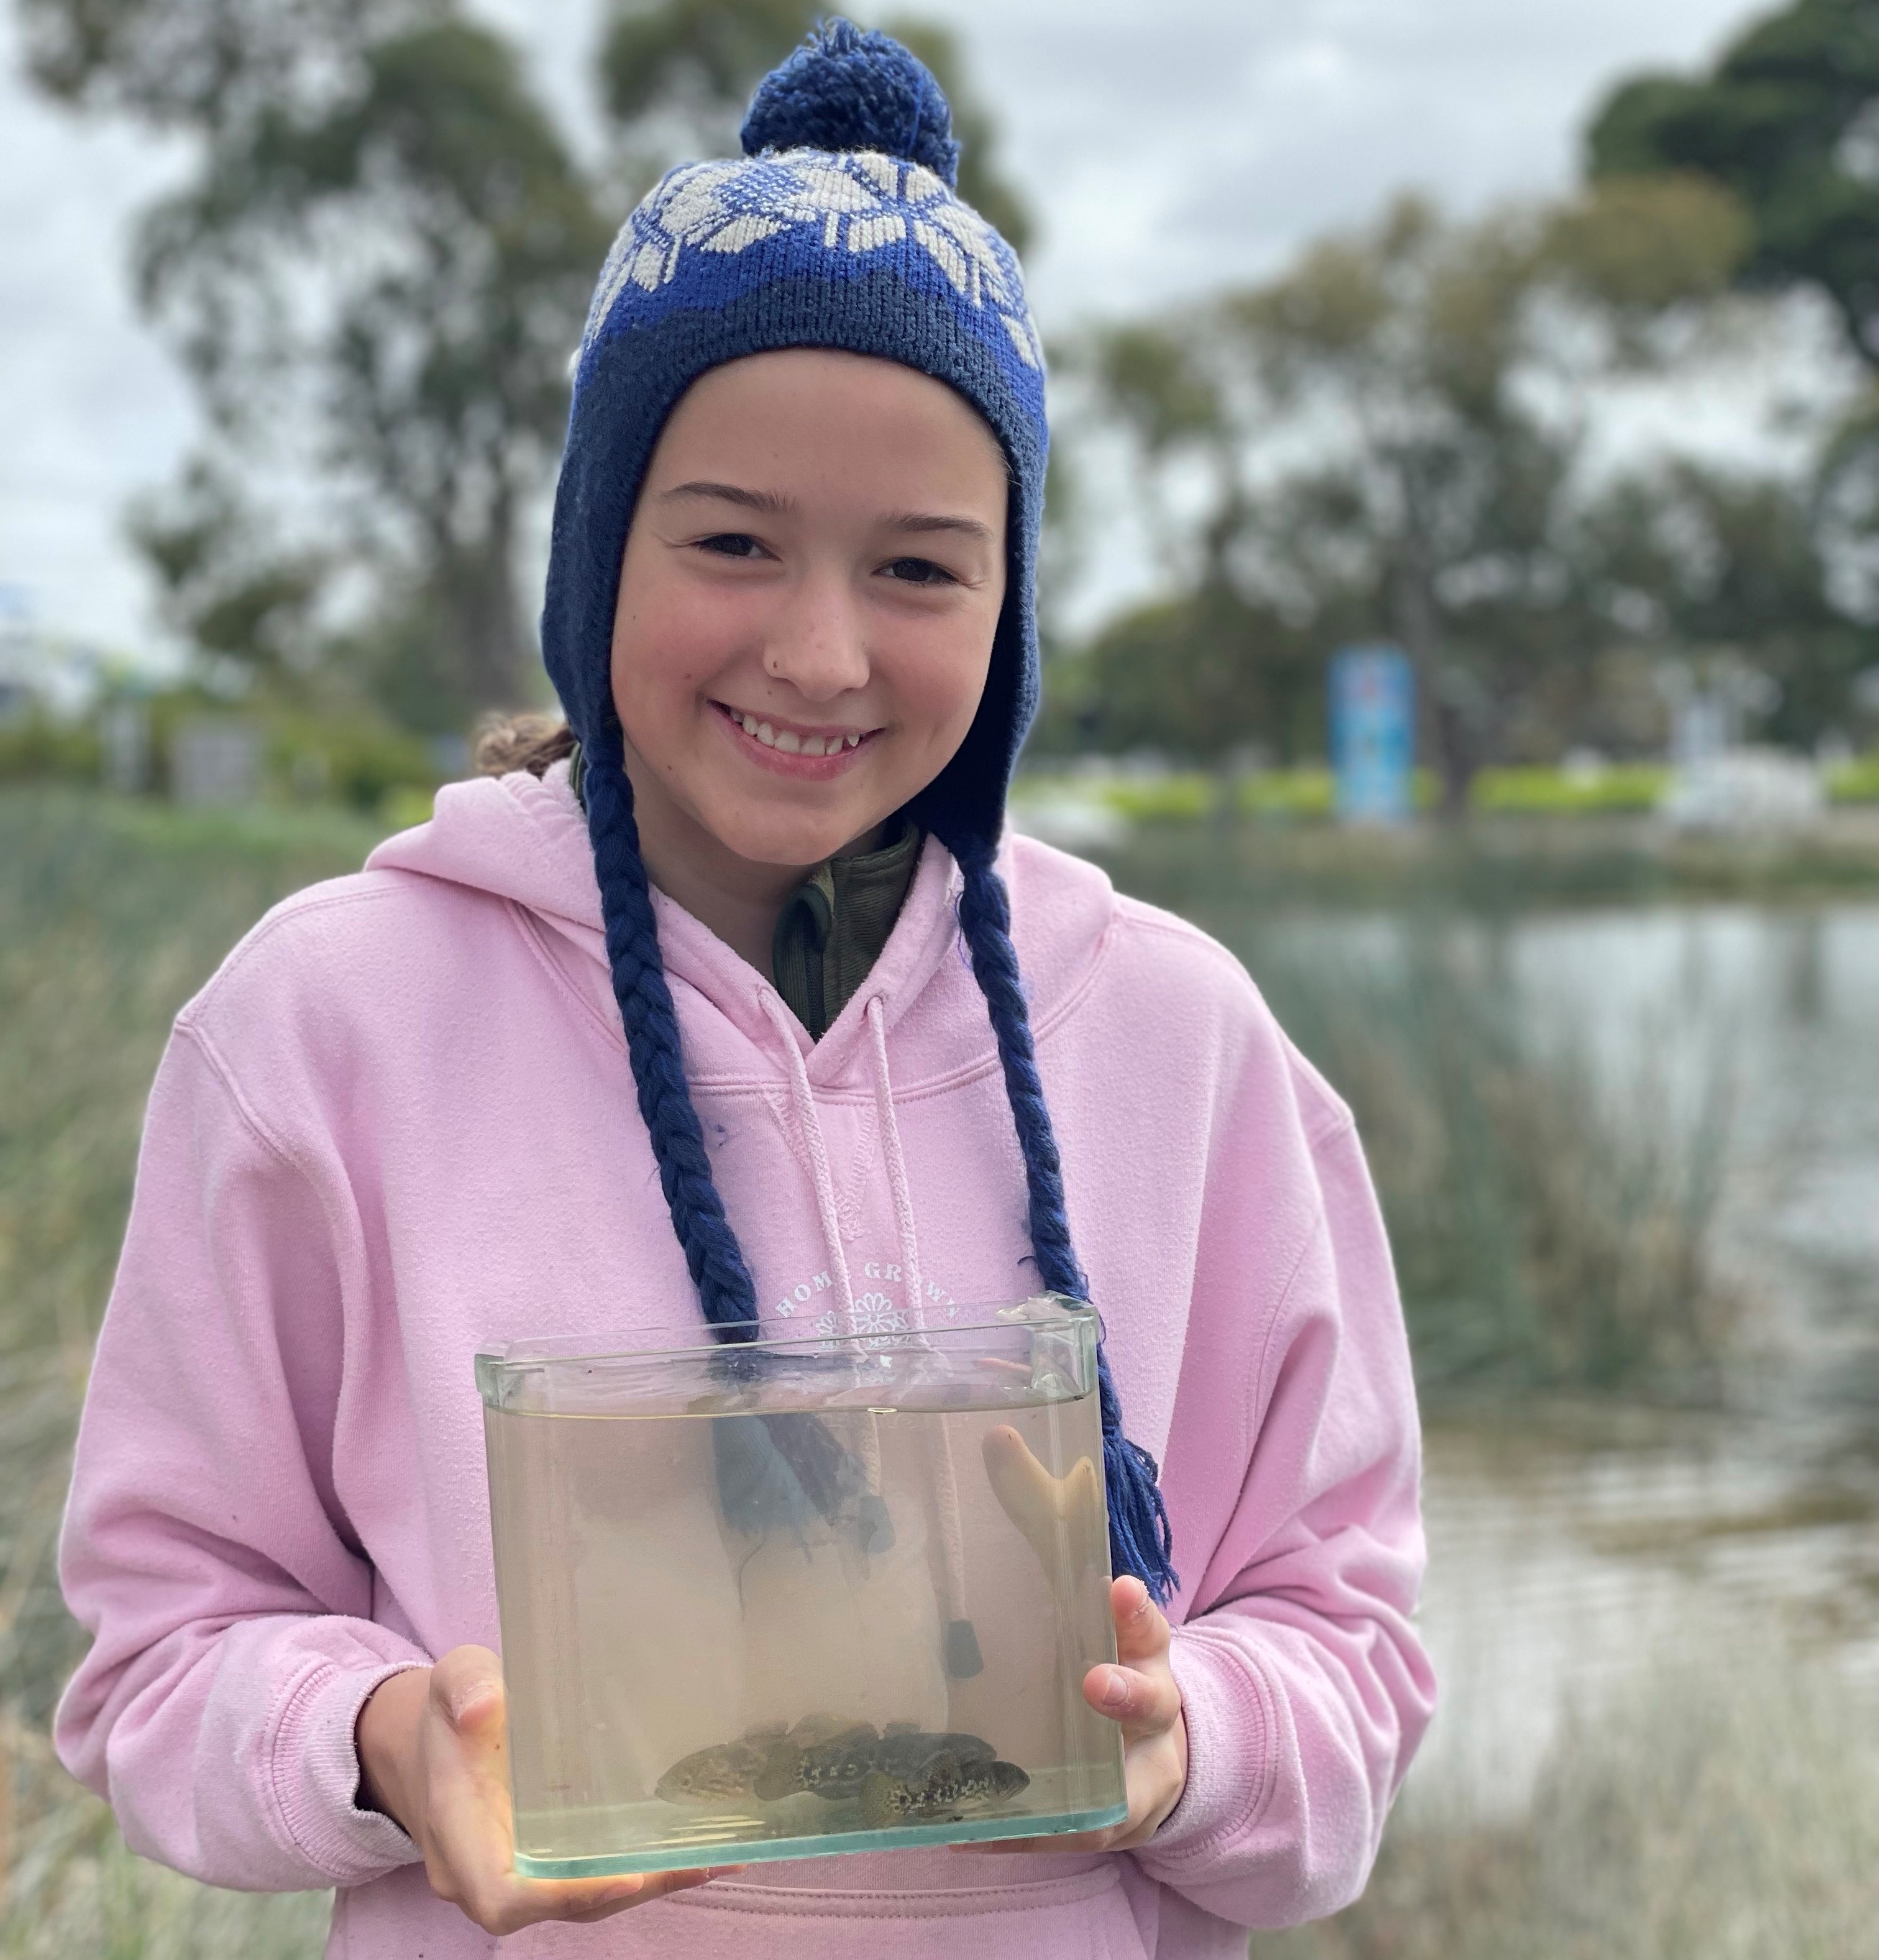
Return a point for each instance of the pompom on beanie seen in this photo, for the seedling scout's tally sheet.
(839, 228)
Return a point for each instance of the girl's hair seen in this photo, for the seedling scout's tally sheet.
(507, 742)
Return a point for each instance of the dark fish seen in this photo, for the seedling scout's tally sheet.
(837, 1769)
(942, 1791)
(837, 1759)
(822, 1741)
(726, 1770)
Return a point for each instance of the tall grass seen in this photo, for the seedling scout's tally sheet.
(111, 914)
(1549, 1228)
(1701, 1815)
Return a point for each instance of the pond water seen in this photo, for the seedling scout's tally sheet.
(1571, 1545)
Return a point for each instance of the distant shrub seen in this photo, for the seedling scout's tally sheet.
(1539, 792)
(41, 749)
(1546, 1234)
(1856, 781)
(1286, 793)
(361, 763)
(1181, 796)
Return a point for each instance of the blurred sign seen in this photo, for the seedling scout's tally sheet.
(1373, 733)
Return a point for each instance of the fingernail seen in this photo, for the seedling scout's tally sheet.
(1115, 1691)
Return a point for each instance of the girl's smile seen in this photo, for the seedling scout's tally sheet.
(808, 754)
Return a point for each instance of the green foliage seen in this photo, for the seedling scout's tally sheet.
(1641, 245)
(1784, 119)
(1856, 781)
(112, 915)
(1191, 676)
(225, 585)
(1542, 1234)
(1288, 793)
(1539, 792)
(359, 764)
(40, 749)
(1704, 558)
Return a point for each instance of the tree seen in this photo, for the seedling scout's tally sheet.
(1787, 120)
(1695, 561)
(375, 277)
(676, 75)
(1387, 435)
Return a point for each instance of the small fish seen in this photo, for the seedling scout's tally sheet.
(726, 1769)
(941, 1792)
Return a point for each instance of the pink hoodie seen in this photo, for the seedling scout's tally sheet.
(399, 1123)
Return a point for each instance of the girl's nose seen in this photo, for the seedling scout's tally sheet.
(818, 643)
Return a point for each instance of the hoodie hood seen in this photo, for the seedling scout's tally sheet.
(524, 840)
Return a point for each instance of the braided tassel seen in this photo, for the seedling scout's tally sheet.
(1141, 1539)
(712, 1253)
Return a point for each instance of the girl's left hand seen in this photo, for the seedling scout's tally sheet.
(1139, 1693)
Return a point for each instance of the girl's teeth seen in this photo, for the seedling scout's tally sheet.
(792, 744)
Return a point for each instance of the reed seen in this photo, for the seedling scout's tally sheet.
(111, 914)
(1703, 1814)
(1550, 1229)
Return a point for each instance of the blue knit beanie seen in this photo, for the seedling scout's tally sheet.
(839, 228)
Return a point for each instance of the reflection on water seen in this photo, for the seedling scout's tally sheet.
(1569, 1545)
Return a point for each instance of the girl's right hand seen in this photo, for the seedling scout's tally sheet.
(433, 1756)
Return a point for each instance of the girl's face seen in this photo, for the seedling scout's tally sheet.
(810, 587)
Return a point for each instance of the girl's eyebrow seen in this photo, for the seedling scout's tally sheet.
(772, 505)
(924, 520)
(765, 501)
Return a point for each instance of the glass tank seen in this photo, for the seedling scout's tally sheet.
(792, 1597)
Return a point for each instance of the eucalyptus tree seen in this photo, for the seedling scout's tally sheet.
(1384, 438)
(1787, 118)
(374, 273)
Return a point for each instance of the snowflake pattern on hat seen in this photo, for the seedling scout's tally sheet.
(856, 204)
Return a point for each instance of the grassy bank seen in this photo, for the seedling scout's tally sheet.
(111, 914)
(1699, 1816)
(1492, 863)
(1547, 1232)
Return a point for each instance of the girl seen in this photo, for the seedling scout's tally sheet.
(674, 1012)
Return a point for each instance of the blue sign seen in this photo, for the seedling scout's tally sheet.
(1373, 733)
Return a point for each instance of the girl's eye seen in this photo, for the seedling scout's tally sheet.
(919, 571)
(732, 544)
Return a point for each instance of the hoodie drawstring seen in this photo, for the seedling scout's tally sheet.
(963, 1658)
(809, 1122)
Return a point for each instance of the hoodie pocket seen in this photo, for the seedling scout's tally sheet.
(1083, 1916)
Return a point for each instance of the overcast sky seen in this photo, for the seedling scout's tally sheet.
(1166, 149)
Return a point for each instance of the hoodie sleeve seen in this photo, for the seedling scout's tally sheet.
(1305, 1688)
(203, 1547)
